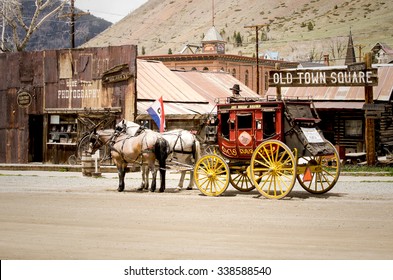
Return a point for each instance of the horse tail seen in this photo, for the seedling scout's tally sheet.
(161, 151)
(196, 150)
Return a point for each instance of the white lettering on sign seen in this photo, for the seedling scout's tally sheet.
(78, 93)
(334, 77)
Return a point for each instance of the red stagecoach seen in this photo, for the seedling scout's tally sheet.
(266, 145)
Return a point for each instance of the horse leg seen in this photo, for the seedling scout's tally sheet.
(191, 184)
(121, 170)
(181, 181)
(145, 178)
(153, 182)
(162, 177)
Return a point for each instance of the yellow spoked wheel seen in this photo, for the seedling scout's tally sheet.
(211, 175)
(273, 169)
(319, 174)
(240, 180)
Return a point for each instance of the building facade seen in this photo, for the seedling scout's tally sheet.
(49, 99)
(213, 58)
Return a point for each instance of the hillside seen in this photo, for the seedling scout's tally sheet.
(298, 28)
(55, 32)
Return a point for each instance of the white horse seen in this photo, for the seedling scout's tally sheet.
(184, 149)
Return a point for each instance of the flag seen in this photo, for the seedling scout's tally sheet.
(156, 111)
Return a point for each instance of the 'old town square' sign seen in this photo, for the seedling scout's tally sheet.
(323, 78)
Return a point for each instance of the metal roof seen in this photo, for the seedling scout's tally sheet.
(213, 85)
(212, 35)
(184, 93)
(156, 80)
(382, 92)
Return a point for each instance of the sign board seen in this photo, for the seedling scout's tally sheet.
(374, 107)
(373, 114)
(323, 78)
(24, 99)
(360, 66)
(312, 135)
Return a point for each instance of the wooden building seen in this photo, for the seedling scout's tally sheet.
(343, 111)
(48, 99)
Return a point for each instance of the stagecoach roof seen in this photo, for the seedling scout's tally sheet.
(336, 95)
(183, 92)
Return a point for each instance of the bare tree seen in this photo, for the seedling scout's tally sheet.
(22, 28)
(337, 48)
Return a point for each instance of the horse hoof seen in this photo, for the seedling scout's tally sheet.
(160, 190)
(120, 190)
(189, 188)
(177, 189)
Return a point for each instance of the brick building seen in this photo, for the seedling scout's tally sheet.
(211, 56)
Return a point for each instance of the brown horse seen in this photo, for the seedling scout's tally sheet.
(144, 148)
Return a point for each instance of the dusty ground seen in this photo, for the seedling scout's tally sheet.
(53, 215)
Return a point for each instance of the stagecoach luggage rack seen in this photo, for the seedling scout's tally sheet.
(302, 131)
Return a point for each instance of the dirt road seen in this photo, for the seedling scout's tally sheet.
(54, 215)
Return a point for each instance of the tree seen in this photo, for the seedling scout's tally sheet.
(238, 39)
(20, 27)
(310, 26)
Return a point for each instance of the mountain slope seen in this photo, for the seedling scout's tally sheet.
(299, 29)
(55, 32)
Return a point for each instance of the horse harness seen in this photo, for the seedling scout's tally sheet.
(112, 141)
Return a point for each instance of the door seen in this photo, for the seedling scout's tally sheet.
(36, 138)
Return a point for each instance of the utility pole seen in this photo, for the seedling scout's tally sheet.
(257, 28)
(73, 17)
(72, 23)
(360, 47)
(370, 123)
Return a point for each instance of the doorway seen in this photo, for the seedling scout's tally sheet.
(36, 126)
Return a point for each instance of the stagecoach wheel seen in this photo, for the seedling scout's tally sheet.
(320, 172)
(211, 175)
(240, 180)
(84, 144)
(273, 169)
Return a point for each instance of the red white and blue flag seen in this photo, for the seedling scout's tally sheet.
(156, 111)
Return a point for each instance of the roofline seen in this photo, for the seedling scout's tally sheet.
(223, 57)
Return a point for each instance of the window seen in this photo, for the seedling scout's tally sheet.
(353, 128)
(244, 121)
(246, 78)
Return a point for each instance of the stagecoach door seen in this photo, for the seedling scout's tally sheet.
(265, 124)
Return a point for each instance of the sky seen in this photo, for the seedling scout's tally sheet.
(110, 10)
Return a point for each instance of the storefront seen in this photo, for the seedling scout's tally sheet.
(51, 99)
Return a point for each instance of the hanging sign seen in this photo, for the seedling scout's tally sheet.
(24, 99)
(323, 78)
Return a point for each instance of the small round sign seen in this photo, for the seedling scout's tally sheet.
(24, 99)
